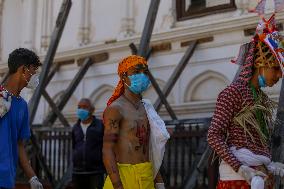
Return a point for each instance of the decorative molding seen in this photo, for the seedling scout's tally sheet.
(47, 23)
(193, 32)
(85, 26)
(196, 31)
(242, 6)
(127, 20)
(191, 109)
(169, 19)
(29, 15)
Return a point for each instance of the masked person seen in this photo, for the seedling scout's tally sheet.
(242, 124)
(135, 136)
(14, 121)
(87, 139)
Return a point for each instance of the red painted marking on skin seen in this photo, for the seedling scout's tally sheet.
(142, 134)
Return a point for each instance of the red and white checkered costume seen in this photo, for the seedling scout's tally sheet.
(223, 133)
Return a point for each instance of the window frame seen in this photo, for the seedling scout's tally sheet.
(185, 15)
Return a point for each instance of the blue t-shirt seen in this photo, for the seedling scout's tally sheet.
(14, 126)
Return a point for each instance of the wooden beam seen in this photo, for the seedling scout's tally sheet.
(55, 109)
(51, 74)
(145, 51)
(133, 48)
(176, 74)
(55, 38)
(155, 84)
(50, 119)
(148, 27)
(33, 103)
(162, 97)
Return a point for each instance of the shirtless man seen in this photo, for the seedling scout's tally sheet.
(127, 131)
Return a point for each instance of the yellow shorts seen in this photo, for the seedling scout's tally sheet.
(138, 176)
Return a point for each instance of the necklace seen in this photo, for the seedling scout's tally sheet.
(10, 93)
(136, 106)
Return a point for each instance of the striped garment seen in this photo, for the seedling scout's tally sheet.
(223, 133)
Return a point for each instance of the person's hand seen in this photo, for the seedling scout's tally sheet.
(117, 185)
(5, 103)
(248, 173)
(257, 182)
(160, 186)
(35, 184)
(276, 168)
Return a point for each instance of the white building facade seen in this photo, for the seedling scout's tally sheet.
(109, 26)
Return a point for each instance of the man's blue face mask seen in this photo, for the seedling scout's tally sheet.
(139, 83)
(82, 114)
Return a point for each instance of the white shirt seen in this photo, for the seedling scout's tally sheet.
(84, 128)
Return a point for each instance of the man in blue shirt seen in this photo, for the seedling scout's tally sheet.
(14, 117)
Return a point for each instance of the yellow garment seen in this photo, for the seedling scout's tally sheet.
(138, 176)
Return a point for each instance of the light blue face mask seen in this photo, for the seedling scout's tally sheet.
(261, 81)
(139, 83)
(82, 114)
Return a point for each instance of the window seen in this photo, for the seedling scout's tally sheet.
(187, 9)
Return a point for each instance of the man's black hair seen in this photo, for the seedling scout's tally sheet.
(22, 56)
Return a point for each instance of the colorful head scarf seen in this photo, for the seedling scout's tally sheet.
(124, 65)
(266, 34)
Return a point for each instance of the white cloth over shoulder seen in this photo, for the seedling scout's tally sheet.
(158, 136)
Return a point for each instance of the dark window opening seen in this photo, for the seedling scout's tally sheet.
(187, 9)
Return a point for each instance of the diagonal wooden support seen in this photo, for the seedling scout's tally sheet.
(56, 35)
(50, 119)
(52, 72)
(156, 85)
(33, 104)
(200, 163)
(65, 179)
(55, 109)
(148, 28)
(145, 52)
(176, 74)
(148, 53)
(133, 48)
(162, 96)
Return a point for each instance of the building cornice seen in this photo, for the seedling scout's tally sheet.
(192, 32)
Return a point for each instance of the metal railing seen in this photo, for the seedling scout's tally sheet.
(185, 144)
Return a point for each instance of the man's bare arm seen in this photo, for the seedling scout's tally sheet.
(112, 119)
(24, 162)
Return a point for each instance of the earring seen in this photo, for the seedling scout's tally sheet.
(261, 81)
